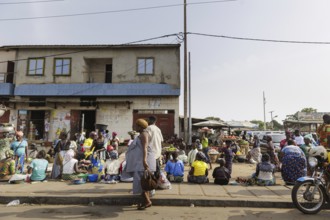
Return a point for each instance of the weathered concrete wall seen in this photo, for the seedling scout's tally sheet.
(124, 61)
(118, 117)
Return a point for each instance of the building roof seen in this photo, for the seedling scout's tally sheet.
(97, 89)
(89, 46)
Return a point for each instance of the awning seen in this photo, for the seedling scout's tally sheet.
(97, 89)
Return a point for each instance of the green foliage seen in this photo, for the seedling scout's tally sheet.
(213, 118)
(309, 110)
(259, 123)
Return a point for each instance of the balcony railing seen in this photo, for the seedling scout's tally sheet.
(6, 77)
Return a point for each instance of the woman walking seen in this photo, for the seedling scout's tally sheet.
(140, 158)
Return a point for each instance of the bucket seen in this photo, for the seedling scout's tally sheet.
(83, 176)
(92, 177)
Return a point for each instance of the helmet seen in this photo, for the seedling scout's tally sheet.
(318, 151)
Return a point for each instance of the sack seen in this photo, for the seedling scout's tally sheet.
(148, 181)
(163, 182)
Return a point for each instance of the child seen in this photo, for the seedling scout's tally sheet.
(221, 174)
(264, 175)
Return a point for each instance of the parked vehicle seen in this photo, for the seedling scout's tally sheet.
(310, 193)
(276, 137)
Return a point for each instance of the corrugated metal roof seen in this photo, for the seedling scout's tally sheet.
(6, 89)
(97, 89)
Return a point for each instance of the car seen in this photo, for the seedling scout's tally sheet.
(276, 137)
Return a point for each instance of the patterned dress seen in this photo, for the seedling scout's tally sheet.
(294, 164)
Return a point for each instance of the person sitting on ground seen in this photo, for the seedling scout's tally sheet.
(70, 165)
(265, 170)
(112, 166)
(221, 174)
(38, 167)
(198, 172)
(7, 166)
(254, 155)
(88, 143)
(174, 168)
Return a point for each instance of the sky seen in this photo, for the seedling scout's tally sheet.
(228, 76)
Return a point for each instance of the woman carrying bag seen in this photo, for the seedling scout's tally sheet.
(140, 158)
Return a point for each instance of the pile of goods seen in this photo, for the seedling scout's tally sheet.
(206, 129)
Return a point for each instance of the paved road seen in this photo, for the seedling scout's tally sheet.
(160, 213)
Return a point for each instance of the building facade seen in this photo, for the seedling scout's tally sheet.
(72, 88)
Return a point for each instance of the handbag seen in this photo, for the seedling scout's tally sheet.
(148, 181)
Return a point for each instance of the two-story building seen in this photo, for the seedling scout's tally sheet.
(51, 88)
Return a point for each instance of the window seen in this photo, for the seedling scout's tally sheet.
(62, 66)
(145, 66)
(36, 66)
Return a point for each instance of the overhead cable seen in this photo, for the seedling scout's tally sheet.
(30, 2)
(259, 39)
(111, 11)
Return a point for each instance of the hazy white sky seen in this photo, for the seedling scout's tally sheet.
(228, 76)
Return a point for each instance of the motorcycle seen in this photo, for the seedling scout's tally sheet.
(310, 193)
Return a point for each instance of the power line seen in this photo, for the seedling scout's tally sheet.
(112, 11)
(31, 2)
(259, 39)
(80, 51)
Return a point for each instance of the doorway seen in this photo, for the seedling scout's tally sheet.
(37, 118)
(108, 73)
(77, 119)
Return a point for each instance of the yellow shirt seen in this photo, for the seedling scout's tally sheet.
(199, 167)
(205, 142)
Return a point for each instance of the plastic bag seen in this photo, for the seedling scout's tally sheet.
(163, 182)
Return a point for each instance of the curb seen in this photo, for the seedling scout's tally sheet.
(133, 199)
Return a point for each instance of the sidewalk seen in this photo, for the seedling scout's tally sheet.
(183, 194)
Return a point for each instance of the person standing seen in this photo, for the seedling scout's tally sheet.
(139, 158)
(20, 148)
(324, 131)
(114, 141)
(298, 138)
(156, 139)
(206, 148)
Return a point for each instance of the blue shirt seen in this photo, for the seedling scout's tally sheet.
(174, 168)
(19, 147)
(39, 167)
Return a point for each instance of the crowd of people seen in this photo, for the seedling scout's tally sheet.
(73, 160)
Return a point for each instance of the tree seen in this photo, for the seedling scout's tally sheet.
(309, 110)
(213, 118)
(259, 123)
(277, 125)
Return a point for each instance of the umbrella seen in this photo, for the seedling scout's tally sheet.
(210, 123)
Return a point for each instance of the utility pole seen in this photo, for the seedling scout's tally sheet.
(271, 118)
(185, 80)
(189, 100)
(264, 102)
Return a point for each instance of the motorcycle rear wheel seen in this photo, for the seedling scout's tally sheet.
(304, 200)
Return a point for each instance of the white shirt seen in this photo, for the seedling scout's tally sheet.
(68, 167)
(156, 139)
(112, 167)
(299, 140)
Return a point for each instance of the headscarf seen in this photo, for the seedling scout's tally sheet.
(114, 133)
(142, 123)
(19, 133)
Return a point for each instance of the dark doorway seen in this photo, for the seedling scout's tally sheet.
(108, 73)
(10, 72)
(38, 120)
(89, 120)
